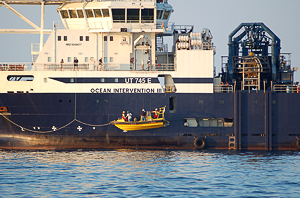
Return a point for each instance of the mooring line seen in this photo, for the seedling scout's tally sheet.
(54, 130)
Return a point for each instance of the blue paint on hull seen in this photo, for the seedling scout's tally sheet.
(261, 121)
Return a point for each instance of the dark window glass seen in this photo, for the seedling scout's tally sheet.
(81, 38)
(172, 104)
(20, 78)
(105, 12)
(105, 38)
(80, 13)
(89, 13)
(133, 15)
(59, 38)
(166, 15)
(118, 15)
(87, 38)
(72, 13)
(64, 14)
(65, 38)
(147, 16)
(111, 38)
(97, 13)
(159, 14)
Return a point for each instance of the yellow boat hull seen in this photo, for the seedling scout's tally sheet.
(135, 126)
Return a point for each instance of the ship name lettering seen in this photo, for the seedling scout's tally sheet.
(125, 90)
(101, 90)
(138, 80)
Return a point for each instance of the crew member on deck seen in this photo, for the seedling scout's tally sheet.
(100, 63)
(61, 62)
(143, 114)
(76, 64)
(124, 116)
(156, 113)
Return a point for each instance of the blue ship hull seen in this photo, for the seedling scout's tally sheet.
(261, 121)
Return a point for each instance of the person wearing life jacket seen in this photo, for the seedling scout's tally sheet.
(129, 116)
(124, 116)
(143, 114)
(156, 113)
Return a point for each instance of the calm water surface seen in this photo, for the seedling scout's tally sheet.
(126, 173)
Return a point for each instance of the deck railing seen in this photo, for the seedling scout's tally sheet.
(286, 89)
(223, 88)
(15, 66)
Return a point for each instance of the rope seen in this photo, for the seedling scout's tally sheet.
(92, 124)
(23, 128)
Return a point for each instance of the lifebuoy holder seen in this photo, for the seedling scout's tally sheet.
(199, 143)
(3, 109)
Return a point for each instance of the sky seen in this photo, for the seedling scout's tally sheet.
(220, 16)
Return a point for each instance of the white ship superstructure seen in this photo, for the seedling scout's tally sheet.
(120, 40)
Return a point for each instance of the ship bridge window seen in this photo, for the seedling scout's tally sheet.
(89, 13)
(97, 13)
(105, 12)
(80, 14)
(148, 16)
(166, 14)
(133, 15)
(64, 14)
(20, 78)
(72, 13)
(159, 14)
(118, 15)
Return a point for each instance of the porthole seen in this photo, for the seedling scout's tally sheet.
(97, 101)
(60, 100)
(70, 101)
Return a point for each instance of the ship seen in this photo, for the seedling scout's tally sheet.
(109, 56)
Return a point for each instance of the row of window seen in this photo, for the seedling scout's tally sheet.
(86, 59)
(87, 38)
(132, 16)
(208, 122)
(90, 13)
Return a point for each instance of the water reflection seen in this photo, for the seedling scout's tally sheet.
(144, 173)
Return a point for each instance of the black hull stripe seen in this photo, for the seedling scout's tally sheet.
(125, 80)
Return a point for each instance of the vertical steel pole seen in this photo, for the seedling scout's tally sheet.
(270, 120)
(42, 25)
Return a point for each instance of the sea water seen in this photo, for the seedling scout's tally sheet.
(141, 173)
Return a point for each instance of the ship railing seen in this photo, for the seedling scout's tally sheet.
(286, 89)
(128, 0)
(66, 67)
(15, 66)
(169, 27)
(58, 25)
(165, 67)
(223, 88)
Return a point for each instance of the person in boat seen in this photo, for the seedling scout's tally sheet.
(129, 116)
(143, 114)
(124, 116)
(156, 113)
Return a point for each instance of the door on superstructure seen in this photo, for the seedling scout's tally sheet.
(142, 53)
